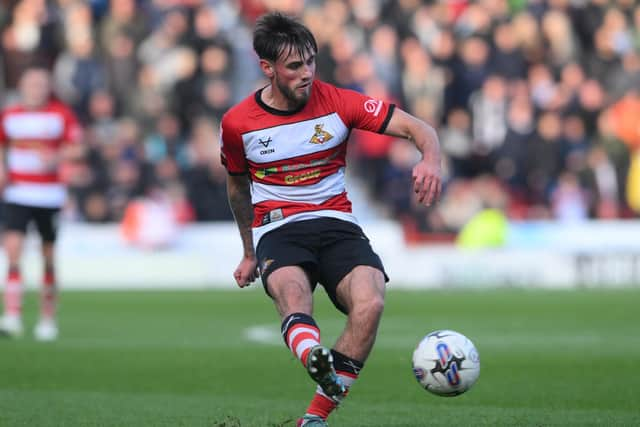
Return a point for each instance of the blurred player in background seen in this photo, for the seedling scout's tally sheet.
(284, 148)
(35, 136)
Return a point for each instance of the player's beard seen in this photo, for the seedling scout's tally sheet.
(294, 98)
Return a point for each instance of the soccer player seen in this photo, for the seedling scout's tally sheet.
(284, 148)
(35, 135)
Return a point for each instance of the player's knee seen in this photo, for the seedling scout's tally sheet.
(292, 291)
(370, 305)
(376, 304)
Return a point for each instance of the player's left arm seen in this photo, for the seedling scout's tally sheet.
(70, 147)
(427, 174)
(71, 151)
(3, 157)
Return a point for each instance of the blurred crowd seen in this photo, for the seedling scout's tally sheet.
(536, 102)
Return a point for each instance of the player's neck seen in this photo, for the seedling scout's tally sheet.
(277, 100)
(32, 106)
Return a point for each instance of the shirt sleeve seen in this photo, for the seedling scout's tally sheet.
(72, 130)
(363, 112)
(232, 152)
(3, 136)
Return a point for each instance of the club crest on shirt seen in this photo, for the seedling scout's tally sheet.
(320, 136)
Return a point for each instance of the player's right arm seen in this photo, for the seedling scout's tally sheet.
(362, 112)
(239, 194)
(3, 156)
(234, 159)
(427, 181)
(3, 168)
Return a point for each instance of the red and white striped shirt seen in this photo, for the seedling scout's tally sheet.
(30, 137)
(296, 160)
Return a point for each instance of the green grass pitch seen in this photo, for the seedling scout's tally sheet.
(214, 359)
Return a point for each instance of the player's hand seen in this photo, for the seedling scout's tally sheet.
(49, 159)
(246, 272)
(427, 180)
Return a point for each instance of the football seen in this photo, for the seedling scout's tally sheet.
(446, 363)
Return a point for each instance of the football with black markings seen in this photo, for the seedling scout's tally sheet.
(446, 363)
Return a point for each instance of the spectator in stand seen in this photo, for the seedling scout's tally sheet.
(572, 76)
(489, 111)
(164, 57)
(574, 143)
(205, 174)
(623, 116)
(569, 201)
(559, 39)
(619, 155)
(507, 58)
(207, 30)
(470, 71)
(78, 71)
(165, 140)
(384, 52)
(397, 179)
(543, 164)
(457, 143)
(122, 19)
(636, 27)
(511, 158)
(418, 64)
(527, 32)
(600, 177)
(627, 77)
(29, 37)
(121, 69)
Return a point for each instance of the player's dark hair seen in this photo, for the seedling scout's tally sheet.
(276, 34)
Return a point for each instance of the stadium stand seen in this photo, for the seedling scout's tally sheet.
(536, 102)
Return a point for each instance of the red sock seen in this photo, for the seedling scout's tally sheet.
(48, 297)
(321, 405)
(348, 370)
(13, 293)
(300, 333)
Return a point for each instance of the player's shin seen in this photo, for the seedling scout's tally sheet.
(49, 295)
(11, 322)
(47, 329)
(13, 293)
(301, 334)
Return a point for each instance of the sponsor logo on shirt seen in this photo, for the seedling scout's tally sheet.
(296, 178)
(373, 106)
(265, 143)
(262, 173)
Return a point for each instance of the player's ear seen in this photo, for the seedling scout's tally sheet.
(267, 68)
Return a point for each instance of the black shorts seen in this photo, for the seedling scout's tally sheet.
(18, 218)
(326, 248)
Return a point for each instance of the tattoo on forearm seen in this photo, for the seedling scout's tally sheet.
(240, 203)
